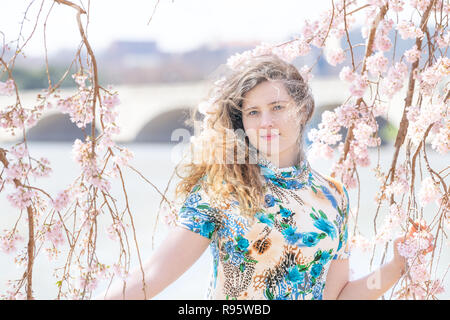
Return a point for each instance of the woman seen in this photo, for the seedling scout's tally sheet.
(277, 228)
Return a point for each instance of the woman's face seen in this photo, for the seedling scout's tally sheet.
(269, 116)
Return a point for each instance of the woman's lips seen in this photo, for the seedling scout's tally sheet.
(269, 137)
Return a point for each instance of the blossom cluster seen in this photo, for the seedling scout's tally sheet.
(9, 241)
(416, 251)
(420, 118)
(17, 117)
(7, 88)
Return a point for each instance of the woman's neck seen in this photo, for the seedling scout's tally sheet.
(288, 159)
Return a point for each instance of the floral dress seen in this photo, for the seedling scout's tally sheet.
(285, 253)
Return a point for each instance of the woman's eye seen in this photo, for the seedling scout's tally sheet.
(252, 113)
(278, 107)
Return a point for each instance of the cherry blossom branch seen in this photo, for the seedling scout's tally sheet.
(31, 242)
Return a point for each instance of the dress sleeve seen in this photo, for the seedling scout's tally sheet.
(343, 251)
(197, 215)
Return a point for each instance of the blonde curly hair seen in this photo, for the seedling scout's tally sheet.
(221, 153)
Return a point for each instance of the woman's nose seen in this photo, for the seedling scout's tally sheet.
(267, 120)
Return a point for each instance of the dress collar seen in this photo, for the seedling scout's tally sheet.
(280, 176)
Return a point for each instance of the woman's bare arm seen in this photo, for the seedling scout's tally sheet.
(171, 259)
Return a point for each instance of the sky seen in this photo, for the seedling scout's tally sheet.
(177, 25)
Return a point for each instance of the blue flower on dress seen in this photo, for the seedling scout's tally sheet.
(285, 213)
(269, 200)
(291, 235)
(243, 244)
(325, 257)
(316, 269)
(206, 229)
(326, 226)
(264, 218)
(228, 247)
(237, 258)
(294, 275)
(317, 291)
(310, 239)
(294, 184)
(193, 199)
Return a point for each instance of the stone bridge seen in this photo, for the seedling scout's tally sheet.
(150, 113)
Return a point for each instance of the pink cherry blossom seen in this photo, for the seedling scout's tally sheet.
(417, 291)
(429, 191)
(397, 187)
(397, 5)
(62, 200)
(360, 153)
(420, 4)
(383, 43)
(262, 49)
(88, 284)
(292, 50)
(7, 88)
(421, 118)
(346, 114)
(19, 150)
(359, 85)
(377, 63)
(436, 287)
(9, 242)
(42, 169)
(237, 60)
(380, 109)
(80, 79)
(21, 198)
(320, 150)
(54, 234)
(433, 74)
(345, 171)
(79, 108)
(123, 157)
(408, 30)
(441, 138)
(13, 295)
(395, 79)
(443, 40)
(107, 110)
(412, 55)
(347, 74)
(335, 56)
(100, 182)
(363, 132)
(386, 26)
(16, 171)
(309, 28)
(114, 230)
(419, 273)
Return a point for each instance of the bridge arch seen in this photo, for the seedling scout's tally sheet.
(159, 129)
(56, 127)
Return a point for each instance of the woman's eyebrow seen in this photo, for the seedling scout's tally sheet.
(274, 102)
